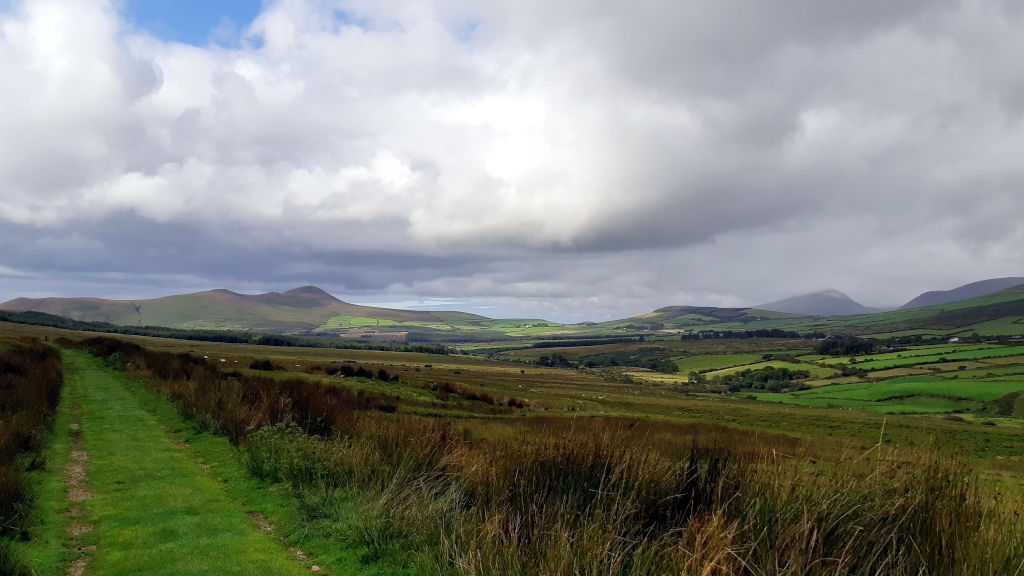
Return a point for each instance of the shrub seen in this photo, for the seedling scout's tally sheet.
(595, 500)
(30, 385)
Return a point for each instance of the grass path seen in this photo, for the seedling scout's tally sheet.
(153, 509)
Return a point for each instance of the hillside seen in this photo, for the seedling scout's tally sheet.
(965, 292)
(822, 303)
(311, 311)
(999, 314)
(676, 319)
(302, 310)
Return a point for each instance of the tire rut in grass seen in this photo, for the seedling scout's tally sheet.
(259, 521)
(155, 511)
(76, 481)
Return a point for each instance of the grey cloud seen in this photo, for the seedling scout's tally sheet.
(582, 156)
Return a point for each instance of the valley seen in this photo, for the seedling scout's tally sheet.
(593, 445)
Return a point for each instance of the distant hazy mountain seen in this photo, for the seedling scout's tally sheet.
(823, 303)
(299, 310)
(965, 292)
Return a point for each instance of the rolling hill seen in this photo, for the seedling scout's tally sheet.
(697, 318)
(965, 292)
(999, 314)
(302, 310)
(311, 311)
(821, 303)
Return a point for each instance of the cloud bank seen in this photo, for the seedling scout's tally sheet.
(582, 160)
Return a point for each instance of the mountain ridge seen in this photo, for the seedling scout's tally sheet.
(308, 310)
(965, 292)
(301, 309)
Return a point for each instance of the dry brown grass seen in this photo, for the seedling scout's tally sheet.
(560, 496)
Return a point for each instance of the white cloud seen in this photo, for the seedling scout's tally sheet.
(629, 152)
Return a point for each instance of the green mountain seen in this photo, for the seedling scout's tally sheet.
(309, 310)
(822, 303)
(999, 314)
(965, 292)
(302, 310)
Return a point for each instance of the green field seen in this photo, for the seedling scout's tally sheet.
(917, 405)
(815, 370)
(916, 386)
(709, 362)
(354, 321)
(421, 470)
(950, 356)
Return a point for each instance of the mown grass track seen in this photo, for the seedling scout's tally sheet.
(153, 509)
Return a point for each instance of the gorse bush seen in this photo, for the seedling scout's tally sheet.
(593, 499)
(30, 385)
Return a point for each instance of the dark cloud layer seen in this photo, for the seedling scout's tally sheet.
(581, 160)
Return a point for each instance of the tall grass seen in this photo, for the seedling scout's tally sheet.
(596, 500)
(30, 384)
(231, 402)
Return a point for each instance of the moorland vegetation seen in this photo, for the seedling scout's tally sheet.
(30, 386)
(585, 502)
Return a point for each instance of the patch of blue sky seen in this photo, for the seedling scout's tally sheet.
(196, 22)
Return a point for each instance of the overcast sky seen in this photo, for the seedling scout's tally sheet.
(570, 160)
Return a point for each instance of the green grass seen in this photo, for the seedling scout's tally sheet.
(915, 405)
(983, 373)
(915, 386)
(447, 322)
(950, 356)
(275, 502)
(45, 551)
(1009, 325)
(351, 321)
(156, 511)
(584, 495)
(815, 370)
(909, 394)
(935, 350)
(709, 362)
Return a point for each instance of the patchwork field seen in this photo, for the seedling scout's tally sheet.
(364, 460)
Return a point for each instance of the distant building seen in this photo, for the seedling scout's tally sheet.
(954, 339)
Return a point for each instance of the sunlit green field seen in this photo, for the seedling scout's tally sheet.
(816, 371)
(607, 392)
(709, 362)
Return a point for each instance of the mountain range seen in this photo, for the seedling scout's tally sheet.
(994, 307)
(972, 290)
(299, 310)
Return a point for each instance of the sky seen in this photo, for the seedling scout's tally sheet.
(578, 160)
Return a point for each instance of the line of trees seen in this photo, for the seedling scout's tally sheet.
(846, 346)
(768, 378)
(744, 334)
